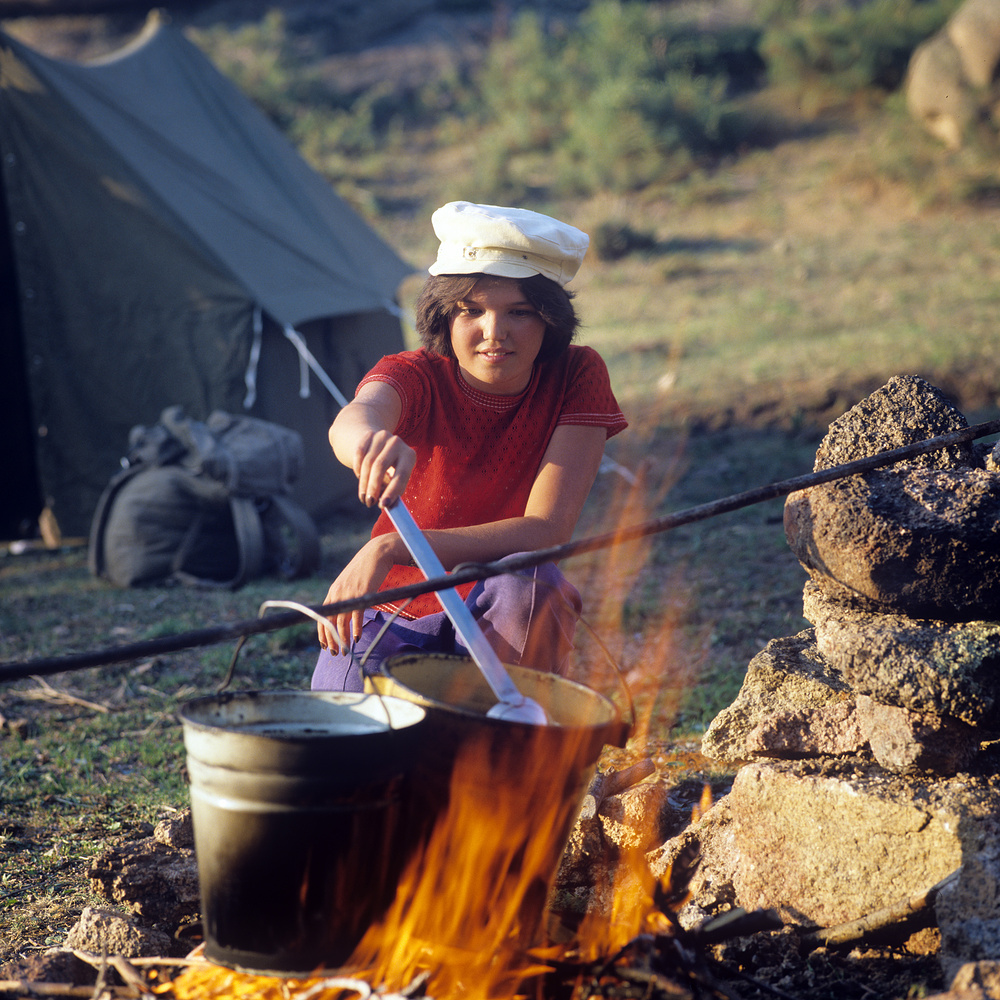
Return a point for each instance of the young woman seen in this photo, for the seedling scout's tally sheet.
(492, 434)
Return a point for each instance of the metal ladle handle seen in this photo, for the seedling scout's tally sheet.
(466, 626)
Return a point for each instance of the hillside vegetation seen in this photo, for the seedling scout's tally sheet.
(772, 234)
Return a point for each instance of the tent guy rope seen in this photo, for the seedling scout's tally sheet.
(45, 666)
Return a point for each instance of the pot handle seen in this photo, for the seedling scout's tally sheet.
(294, 606)
(309, 613)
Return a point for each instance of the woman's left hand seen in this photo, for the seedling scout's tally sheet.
(364, 574)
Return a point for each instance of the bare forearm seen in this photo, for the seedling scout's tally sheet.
(363, 439)
(557, 497)
(353, 425)
(487, 542)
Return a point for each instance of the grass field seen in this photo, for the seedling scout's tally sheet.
(775, 291)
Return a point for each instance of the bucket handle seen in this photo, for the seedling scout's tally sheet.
(309, 613)
(617, 670)
(320, 620)
(231, 669)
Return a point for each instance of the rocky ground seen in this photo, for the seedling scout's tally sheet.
(150, 910)
(866, 795)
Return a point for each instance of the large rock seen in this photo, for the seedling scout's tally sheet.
(974, 30)
(937, 93)
(54, 965)
(832, 845)
(949, 83)
(791, 705)
(101, 932)
(705, 851)
(794, 704)
(905, 410)
(903, 740)
(912, 540)
(625, 814)
(968, 911)
(156, 879)
(974, 981)
(916, 537)
(831, 841)
(924, 665)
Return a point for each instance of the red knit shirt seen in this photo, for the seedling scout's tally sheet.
(478, 453)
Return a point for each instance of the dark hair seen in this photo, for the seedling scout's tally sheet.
(441, 294)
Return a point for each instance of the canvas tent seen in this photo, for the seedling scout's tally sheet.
(167, 245)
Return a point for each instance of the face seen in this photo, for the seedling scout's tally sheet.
(496, 334)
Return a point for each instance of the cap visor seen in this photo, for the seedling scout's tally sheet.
(499, 269)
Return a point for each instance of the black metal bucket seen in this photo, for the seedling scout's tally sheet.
(295, 801)
(556, 761)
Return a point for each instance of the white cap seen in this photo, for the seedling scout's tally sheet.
(508, 242)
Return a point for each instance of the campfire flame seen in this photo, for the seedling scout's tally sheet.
(644, 646)
(472, 901)
(470, 918)
(470, 911)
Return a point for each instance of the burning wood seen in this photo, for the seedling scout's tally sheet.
(658, 961)
(469, 919)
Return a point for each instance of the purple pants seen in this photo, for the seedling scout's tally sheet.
(529, 618)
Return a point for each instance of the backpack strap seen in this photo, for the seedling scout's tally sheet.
(249, 542)
(293, 548)
(96, 557)
(249, 538)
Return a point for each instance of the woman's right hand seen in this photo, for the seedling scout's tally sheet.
(362, 575)
(383, 463)
(363, 438)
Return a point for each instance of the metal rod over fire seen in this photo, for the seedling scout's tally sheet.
(45, 666)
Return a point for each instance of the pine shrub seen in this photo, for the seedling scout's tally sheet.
(626, 97)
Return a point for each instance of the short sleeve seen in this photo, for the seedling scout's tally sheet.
(589, 400)
(405, 374)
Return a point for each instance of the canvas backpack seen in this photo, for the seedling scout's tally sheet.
(204, 504)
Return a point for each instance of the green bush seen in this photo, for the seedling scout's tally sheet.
(851, 49)
(730, 52)
(261, 60)
(614, 239)
(626, 97)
